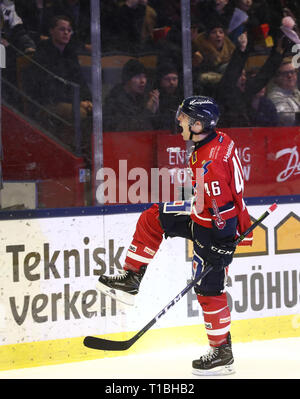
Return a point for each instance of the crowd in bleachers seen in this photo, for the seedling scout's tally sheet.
(240, 55)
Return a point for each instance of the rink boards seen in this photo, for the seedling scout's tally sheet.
(48, 301)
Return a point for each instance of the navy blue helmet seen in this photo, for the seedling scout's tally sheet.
(200, 108)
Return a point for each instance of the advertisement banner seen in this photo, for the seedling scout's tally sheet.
(49, 268)
(270, 159)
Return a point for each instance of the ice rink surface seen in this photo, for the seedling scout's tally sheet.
(277, 359)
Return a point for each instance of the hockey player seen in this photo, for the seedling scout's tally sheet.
(223, 217)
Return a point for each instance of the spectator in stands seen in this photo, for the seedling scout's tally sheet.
(240, 96)
(168, 12)
(59, 59)
(16, 41)
(244, 5)
(214, 46)
(170, 94)
(13, 30)
(221, 10)
(212, 51)
(79, 13)
(149, 24)
(134, 22)
(36, 16)
(291, 8)
(108, 12)
(260, 13)
(285, 93)
(169, 49)
(262, 111)
(129, 106)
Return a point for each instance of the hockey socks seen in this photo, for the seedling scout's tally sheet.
(146, 240)
(217, 319)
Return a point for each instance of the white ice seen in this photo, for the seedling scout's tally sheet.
(274, 359)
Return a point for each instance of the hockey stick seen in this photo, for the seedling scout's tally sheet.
(106, 344)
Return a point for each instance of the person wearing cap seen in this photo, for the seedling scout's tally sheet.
(212, 50)
(215, 47)
(129, 105)
(170, 94)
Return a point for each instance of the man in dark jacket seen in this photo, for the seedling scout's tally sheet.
(53, 80)
(129, 106)
(238, 95)
(59, 63)
(170, 95)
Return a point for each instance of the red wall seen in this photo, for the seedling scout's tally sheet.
(28, 154)
(270, 158)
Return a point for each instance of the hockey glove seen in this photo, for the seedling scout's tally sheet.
(220, 254)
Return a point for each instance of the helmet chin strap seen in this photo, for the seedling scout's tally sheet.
(191, 133)
(205, 131)
(191, 123)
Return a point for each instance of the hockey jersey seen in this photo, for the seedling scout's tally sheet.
(218, 180)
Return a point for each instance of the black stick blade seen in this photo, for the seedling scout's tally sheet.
(106, 344)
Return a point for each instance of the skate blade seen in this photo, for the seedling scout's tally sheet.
(119, 296)
(221, 370)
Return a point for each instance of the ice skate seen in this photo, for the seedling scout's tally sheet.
(122, 287)
(218, 361)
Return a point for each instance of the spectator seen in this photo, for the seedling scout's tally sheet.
(129, 106)
(134, 21)
(36, 16)
(108, 12)
(16, 41)
(13, 28)
(169, 49)
(168, 12)
(210, 11)
(149, 24)
(291, 8)
(244, 5)
(285, 93)
(170, 95)
(212, 51)
(239, 95)
(215, 48)
(262, 111)
(79, 13)
(261, 12)
(58, 57)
